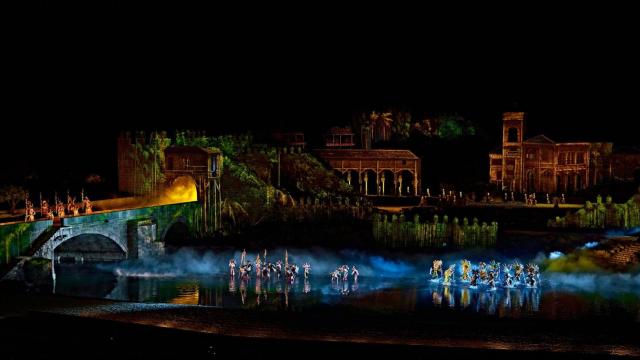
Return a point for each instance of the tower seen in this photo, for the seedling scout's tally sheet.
(512, 135)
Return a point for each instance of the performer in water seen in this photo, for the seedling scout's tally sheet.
(482, 271)
(475, 275)
(517, 272)
(465, 267)
(448, 275)
(258, 266)
(335, 276)
(232, 267)
(507, 277)
(532, 276)
(355, 273)
(436, 271)
(307, 270)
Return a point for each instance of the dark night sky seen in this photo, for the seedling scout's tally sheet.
(71, 93)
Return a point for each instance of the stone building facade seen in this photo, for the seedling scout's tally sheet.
(539, 164)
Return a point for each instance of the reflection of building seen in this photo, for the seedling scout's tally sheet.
(376, 172)
(540, 164)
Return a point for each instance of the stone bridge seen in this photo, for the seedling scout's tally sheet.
(109, 235)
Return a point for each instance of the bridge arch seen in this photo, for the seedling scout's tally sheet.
(176, 232)
(90, 247)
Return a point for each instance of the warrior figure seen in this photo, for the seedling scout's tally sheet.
(482, 271)
(517, 272)
(258, 266)
(30, 212)
(355, 273)
(436, 270)
(88, 208)
(279, 268)
(491, 280)
(345, 272)
(473, 283)
(508, 278)
(532, 275)
(465, 266)
(232, 267)
(44, 208)
(307, 270)
(448, 274)
(60, 209)
(335, 276)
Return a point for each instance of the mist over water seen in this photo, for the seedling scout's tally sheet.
(188, 262)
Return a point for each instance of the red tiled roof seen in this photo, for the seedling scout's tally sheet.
(366, 154)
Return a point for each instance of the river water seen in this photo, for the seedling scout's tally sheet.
(385, 285)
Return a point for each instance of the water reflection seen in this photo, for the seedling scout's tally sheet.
(376, 294)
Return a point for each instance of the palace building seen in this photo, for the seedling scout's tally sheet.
(372, 172)
(539, 164)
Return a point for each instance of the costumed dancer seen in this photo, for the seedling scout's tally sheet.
(448, 275)
(475, 275)
(507, 278)
(436, 271)
(465, 267)
(232, 267)
(355, 273)
(307, 270)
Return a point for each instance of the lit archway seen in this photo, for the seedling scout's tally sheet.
(182, 189)
(405, 183)
(369, 182)
(386, 183)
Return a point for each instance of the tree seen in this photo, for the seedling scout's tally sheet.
(12, 195)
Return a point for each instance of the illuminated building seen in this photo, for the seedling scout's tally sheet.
(539, 164)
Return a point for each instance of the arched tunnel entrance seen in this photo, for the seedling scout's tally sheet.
(89, 247)
(177, 235)
(181, 189)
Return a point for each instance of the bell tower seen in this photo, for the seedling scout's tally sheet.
(512, 160)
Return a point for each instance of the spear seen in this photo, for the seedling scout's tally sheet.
(286, 259)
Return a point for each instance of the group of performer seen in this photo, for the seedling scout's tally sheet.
(490, 275)
(264, 268)
(342, 273)
(59, 209)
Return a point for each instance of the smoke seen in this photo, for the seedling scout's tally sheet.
(634, 231)
(187, 262)
(555, 254)
(590, 245)
(577, 261)
(602, 283)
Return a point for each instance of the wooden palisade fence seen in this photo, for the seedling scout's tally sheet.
(396, 232)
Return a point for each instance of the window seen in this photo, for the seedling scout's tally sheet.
(214, 164)
(170, 163)
(531, 154)
(512, 135)
(580, 158)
